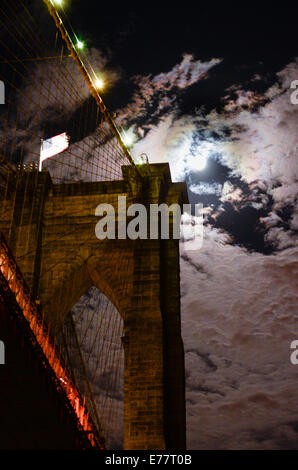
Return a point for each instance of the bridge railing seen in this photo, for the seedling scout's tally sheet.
(11, 279)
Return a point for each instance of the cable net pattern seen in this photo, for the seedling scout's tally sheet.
(45, 95)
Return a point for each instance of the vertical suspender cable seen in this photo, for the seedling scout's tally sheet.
(78, 60)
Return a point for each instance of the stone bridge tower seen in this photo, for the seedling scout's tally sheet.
(55, 225)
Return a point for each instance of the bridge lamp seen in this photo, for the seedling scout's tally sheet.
(80, 44)
(127, 139)
(99, 83)
(57, 3)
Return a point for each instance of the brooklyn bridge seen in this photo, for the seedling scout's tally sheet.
(91, 328)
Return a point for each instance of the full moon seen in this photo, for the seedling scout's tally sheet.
(199, 162)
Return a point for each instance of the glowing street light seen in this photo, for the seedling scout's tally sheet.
(128, 138)
(99, 83)
(80, 44)
(57, 3)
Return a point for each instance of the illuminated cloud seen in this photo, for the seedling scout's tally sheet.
(238, 322)
(230, 193)
(153, 96)
(260, 148)
(206, 188)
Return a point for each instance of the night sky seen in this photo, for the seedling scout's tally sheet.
(252, 44)
(198, 82)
